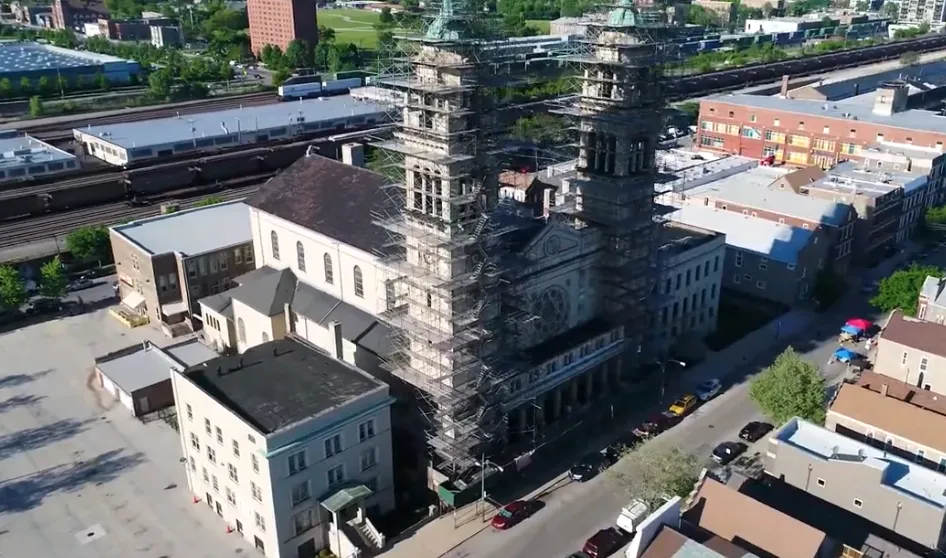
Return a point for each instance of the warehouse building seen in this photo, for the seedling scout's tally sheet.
(119, 144)
(35, 61)
(23, 157)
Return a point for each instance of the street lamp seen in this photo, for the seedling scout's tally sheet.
(663, 374)
(483, 463)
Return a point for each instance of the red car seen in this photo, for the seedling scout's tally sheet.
(511, 514)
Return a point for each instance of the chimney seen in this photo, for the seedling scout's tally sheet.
(784, 90)
(883, 390)
(335, 328)
(353, 154)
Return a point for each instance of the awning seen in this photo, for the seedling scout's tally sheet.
(846, 355)
(860, 323)
(174, 308)
(345, 497)
(133, 300)
(852, 330)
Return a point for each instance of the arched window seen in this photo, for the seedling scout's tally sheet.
(300, 255)
(274, 240)
(329, 273)
(265, 337)
(359, 283)
(241, 330)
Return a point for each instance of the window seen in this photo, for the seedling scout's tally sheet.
(924, 364)
(737, 279)
(259, 521)
(303, 521)
(219, 435)
(257, 493)
(336, 475)
(297, 462)
(241, 330)
(359, 282)
(920, 456)
(790, 266)
(763, 263)
(716, 264)
(751, 118)
(265, 337)
(329, 275)
(826, 130)
(777, 122)
(274, 244)
(236, 448)
(366, 430)
(211, 454)
(195, 443)
(207, 428)
(216, 485)
(231, 497)
(369, 458)
(206, 474)
(858, 503)
(255, 462)
(300, 493)
(903, 360)
(333, 445)
(760, 285)
(738, 261)
(942, 465)
(238, 256)
(821, 483)
(300, 256)
(232, 470)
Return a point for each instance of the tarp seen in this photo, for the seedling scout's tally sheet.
(133, 300)
(860, 323)
(852, 330)
(845, 355)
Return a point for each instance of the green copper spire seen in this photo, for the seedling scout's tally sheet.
(624, 15)
(449, 24)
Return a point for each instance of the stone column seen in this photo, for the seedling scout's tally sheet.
(605, 375)
(573, 391)
(589, 384)
(556, 404)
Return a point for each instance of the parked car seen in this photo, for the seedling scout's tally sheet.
(603, 543)
(586, 468)
(513, 513)
(43, 305)
(611, 455)
(725, 452)
(755, 430)
(682, 407)
(657, 424)
(81, 283)
(709, 389)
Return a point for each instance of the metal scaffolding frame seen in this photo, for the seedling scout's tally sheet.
(619, 115)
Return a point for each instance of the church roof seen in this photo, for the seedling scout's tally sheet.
(327, 197)
(623, 15)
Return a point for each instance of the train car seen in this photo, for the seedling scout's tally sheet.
(341, 86)
(300, 87)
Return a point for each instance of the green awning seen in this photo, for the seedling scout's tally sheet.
(345, 496)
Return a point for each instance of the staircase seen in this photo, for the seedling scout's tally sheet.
(365, 536)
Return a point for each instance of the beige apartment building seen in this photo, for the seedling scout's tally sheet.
(914, 352)
(292, 475)
(166, 263)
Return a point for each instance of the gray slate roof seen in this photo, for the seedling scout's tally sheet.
(934, 290)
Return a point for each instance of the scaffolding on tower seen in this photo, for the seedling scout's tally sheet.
(448, 304)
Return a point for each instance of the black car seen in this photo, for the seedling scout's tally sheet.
(727, 451)
(43, 306)
(611, 455)
(586, 468)
(754, 431)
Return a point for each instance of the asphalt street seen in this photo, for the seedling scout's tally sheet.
(574, 511)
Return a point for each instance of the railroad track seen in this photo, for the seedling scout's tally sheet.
(61, 224)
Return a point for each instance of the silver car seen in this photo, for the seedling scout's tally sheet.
(709, 389)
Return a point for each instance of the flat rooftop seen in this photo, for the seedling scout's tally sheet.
(775, 241)
(677, 238)
(750, 189)
(18, 57)
(852, 179)
(149, 364)
(209, 125)
(898, 474)
(680, 170)
(278, 384)
(25, 150)
(192, 231)
(852, 113)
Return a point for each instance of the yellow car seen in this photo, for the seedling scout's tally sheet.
(683, 405)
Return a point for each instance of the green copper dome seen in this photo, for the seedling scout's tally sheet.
(448, 25)
(624, 15)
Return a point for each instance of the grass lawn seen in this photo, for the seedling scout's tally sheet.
(352, 26)
(541, 25)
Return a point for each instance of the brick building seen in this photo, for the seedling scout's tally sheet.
(279, 22)
(74, 14)
(815, 132)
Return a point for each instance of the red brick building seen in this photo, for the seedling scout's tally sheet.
(74, 14)
(812, 132)
(279, 22)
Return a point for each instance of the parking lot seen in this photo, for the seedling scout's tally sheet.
(79, 476)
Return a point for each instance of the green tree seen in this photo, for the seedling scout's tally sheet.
(90, 244)
(540, 128)
(892, 10)
(767, 10)
(210, 200)
(45, 86)
(570, 8)
(25, 85)
(52, 279)
(909, 59)
(653, 472)
(298, 54)
(828, 288)
(272, 56)
(159, 83)
(12, 290)
(326, 34)
(280, 76)
(901, 290)
(935, 215)
(102, 82)
(36, 106)
(6, 87)
(386, 18)
(790, 387)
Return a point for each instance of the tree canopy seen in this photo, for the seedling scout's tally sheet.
(790, 387)
(901, 290)
(53, 282)
(90, 244)
(652, 472)
(12, 290)
(935, 215)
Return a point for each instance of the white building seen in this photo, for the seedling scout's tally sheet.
(290, 447)
(23, 157)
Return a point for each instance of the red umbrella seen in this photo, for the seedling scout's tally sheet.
(860, 323)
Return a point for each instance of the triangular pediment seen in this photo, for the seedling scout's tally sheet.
(553, 240)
